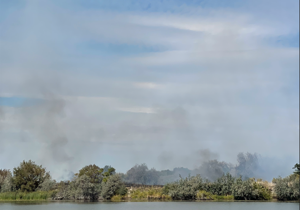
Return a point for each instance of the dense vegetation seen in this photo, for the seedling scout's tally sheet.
(225, 187)
(30, 181)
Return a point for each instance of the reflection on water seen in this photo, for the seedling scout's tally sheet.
(149, 205)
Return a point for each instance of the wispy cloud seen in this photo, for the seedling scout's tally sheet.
(164, 77)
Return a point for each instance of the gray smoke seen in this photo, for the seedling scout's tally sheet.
(111, 88)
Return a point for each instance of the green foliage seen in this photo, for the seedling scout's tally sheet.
(47, 185)
(7, 184)
(93, 172)
(117, 198)
(108, 171)
(96, 174)
(222, 186)
(84, 188)
(63, 189)
(11, 196)
(250, 190)
(5, 180)
(242, 190)
(149, 193)
(184, 189)
(28, 176)
(287, 188)
(203, 195)
(122, 190)
(261, 192)
(139, 194)
(297, 169)
(111, 187)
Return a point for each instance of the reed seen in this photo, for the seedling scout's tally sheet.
(39, 195)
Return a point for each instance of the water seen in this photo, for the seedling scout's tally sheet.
(150, 205)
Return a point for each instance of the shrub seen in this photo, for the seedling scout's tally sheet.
(184, 189)
(7, 184)
(287, 188)
(111, 187)
(47, 185)
(82, 188)
(250, 190)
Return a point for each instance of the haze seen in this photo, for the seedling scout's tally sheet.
(167, 83)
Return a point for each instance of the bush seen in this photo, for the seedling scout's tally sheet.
(287, 188)
(117, 198)
(47, 185)
(203, 195)
(184, 189)
(242, 190)
(111, 187)
(250, 190)
(82, 188)
(7, 184)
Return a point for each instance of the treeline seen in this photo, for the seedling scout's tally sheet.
(248, 166)
(229, 187)
(31, 181)
(90, 183)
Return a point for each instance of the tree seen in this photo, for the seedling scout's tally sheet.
(224, 185)
(112, 187)
(7, 184)
(184, 189)
(83, 187)
(3, 174)
(94, 173)
(107, 172)
(242, 190)
(47, 185)
(287, 188)
(297, 169)
(28, 176)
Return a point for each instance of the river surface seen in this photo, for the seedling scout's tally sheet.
(149, 205)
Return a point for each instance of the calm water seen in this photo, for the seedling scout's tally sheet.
(151, 205)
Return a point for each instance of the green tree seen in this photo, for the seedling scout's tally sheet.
(297, 169)
(28, 176)
(184, 189)
(3, 174)
(113, 186)
(287, 188)
(47, 185)
(83, 188)
(95, 173)
(108, 171)
(7, 184)
(242, 190)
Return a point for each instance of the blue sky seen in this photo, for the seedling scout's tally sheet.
(111, 80)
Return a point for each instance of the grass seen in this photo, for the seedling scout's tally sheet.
(117, 198)
(223, 197)
(26, 196)
(149, 193)
(203, 195)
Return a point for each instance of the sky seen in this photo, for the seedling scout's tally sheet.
(137, 81)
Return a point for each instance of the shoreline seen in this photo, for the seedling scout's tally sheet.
(143, 200)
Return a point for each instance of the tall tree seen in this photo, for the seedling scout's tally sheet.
(94, 172)
(28, 176)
